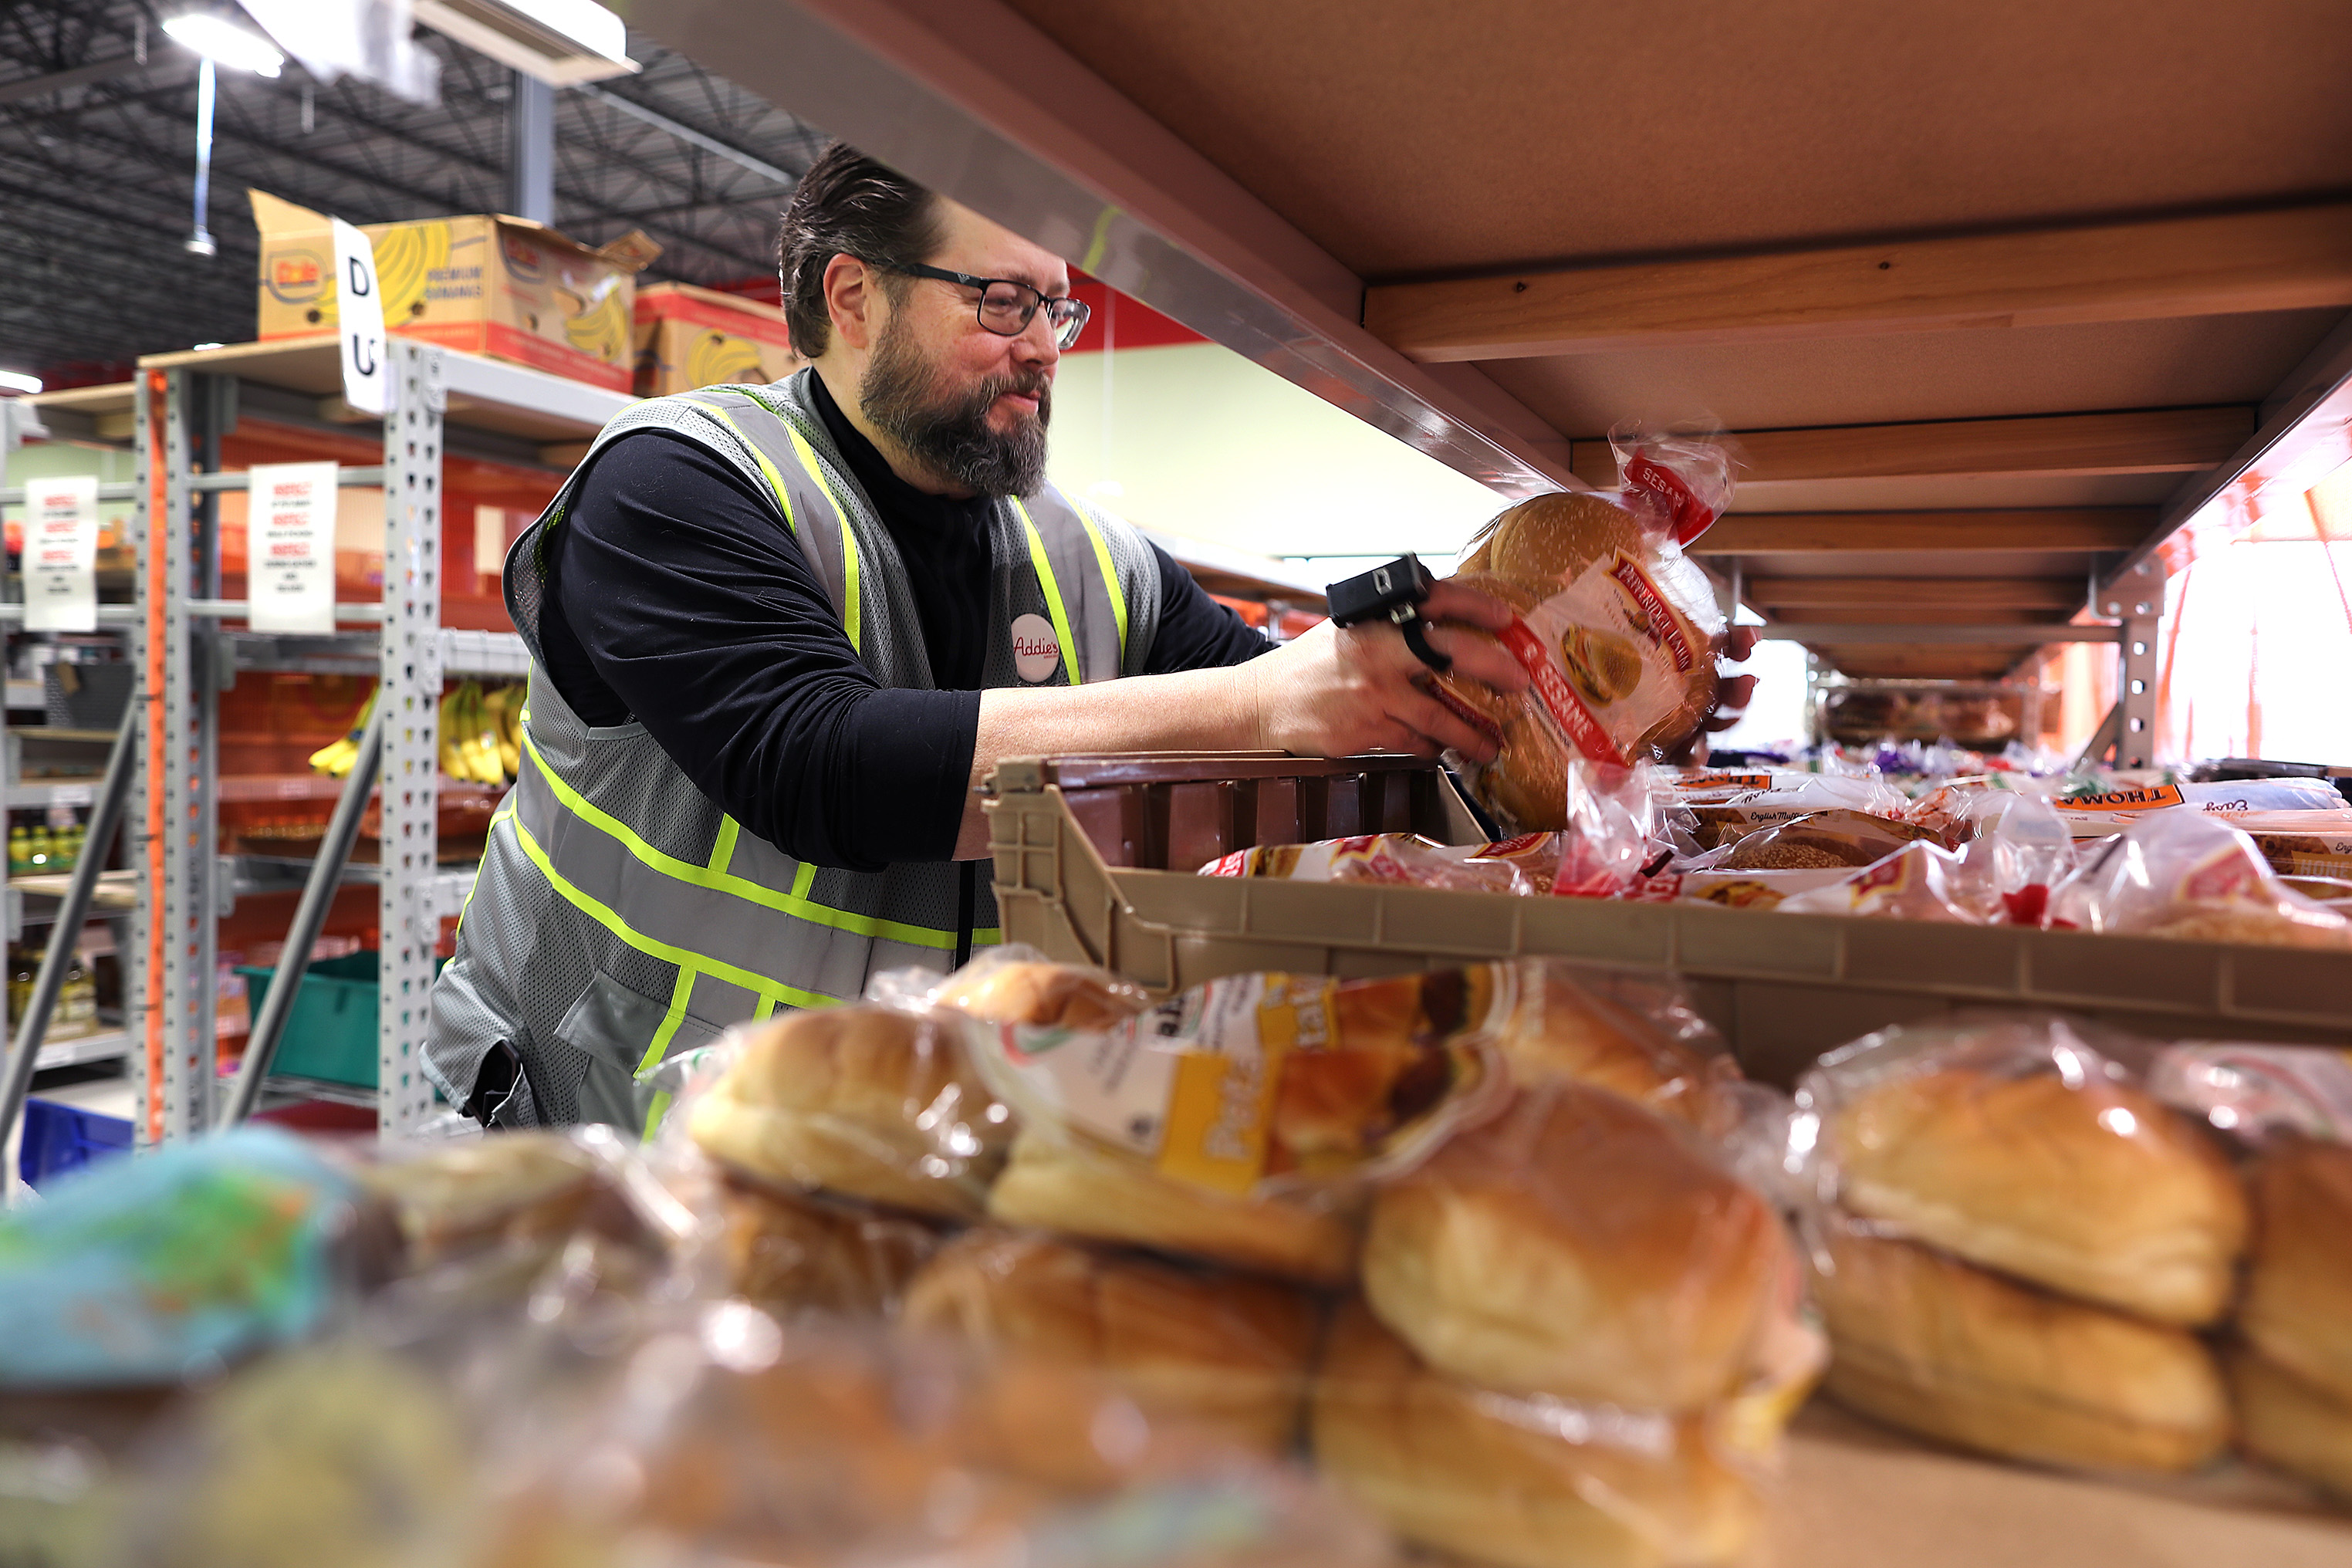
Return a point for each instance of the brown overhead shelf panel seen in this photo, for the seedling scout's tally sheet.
(1998, 294)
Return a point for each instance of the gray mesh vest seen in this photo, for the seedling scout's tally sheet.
(620, 914)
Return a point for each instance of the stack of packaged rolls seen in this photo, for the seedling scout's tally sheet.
(2018, 1245)
(1466, 1234)
(2288, 1110)
(2290, 1371)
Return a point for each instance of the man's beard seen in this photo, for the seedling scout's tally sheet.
(948, 431)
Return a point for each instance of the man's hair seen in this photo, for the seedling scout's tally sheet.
(848, 205)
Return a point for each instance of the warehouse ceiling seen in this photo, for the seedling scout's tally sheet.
(98, 168)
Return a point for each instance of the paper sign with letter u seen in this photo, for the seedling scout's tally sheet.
(359, 308)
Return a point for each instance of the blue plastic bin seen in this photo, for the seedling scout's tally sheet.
(61, 1139)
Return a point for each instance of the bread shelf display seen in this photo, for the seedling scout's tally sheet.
(1082, 847)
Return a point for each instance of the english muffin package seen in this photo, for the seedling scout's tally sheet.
(1617, 629)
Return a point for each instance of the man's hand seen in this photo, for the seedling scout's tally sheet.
(1732, 697)
(1338, 691)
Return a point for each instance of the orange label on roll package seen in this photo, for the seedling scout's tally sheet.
(1558, 699)
(2144, 798)
(1724, 780)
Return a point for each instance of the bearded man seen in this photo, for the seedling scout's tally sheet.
(780, 633)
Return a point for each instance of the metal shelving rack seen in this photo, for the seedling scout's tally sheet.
(23, 909)
(501, 410)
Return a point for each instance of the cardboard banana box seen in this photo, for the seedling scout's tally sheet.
(503, 286)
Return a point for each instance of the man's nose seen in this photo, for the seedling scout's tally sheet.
(1036, 343)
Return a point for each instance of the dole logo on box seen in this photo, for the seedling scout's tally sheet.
(295, 277)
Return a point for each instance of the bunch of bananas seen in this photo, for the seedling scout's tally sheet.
(335, 759)
(481, 733)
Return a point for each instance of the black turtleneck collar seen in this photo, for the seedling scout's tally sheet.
(893, 497)
(943, 543)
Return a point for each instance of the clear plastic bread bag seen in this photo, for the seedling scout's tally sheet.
(865, 1102)
(2028, 1143)
(2185, 873)
(1633, 1032)
(1529, 1481)
(1615, 830)
(1014, 983)
(1618, 630)
(1522, 866)
(147, 1273)
(588, 1431)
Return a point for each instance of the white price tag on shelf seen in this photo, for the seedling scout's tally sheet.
(290, 547)
(359, 311)
(61, 554)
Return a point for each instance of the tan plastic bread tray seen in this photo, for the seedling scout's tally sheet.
(1084, 844)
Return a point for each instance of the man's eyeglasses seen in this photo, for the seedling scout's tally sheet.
(1007, 307)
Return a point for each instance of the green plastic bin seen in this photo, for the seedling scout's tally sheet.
(330, 1034)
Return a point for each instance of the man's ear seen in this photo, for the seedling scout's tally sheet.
(852, 301)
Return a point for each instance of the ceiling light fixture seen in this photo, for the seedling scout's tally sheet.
(222, 41)
(561, 42)
(219, 42)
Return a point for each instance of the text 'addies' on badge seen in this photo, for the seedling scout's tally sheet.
(61, 554)
(290, 547)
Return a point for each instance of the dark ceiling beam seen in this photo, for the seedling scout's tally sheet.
(232, 129)
(25, 88)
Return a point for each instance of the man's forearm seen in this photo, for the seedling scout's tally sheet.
(1191, 710)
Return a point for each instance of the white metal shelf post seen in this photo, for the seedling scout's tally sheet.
(170, 987)
(408, 911)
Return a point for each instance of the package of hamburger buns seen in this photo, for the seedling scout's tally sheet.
(1475, 1475)
(1261, 1083)
(1616, 628)
(2017, 1244)
(864, 1101)
(2030, 1143)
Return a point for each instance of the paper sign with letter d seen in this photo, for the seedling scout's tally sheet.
(358, 306)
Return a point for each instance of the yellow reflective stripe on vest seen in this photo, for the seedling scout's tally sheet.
(755, 983)
(775, 481)
(678, 994)
(1053, 595)
(808, 457)
(1112, 583)
(795, 903)
(504, 811)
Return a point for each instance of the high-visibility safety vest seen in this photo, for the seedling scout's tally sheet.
(620, 914)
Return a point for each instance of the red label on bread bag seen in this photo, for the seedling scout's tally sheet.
(1687, 516)
(1664, 629)
(1551, 689)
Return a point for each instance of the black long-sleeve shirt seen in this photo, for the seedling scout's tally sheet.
(675, 597)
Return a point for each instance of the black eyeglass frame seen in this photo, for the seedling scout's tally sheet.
(1064, 335)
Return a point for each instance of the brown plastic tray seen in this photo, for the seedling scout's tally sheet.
(1082, 847)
